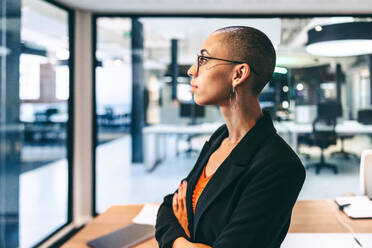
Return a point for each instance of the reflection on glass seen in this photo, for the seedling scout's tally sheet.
(43, 111)
(11, 131)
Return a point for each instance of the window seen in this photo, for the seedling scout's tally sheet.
(299, 82)
(43, 197)
(34, 175)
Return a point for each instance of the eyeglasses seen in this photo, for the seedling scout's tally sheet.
(201, 60)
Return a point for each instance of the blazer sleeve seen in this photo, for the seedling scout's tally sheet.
(167, 227)
(262, 216)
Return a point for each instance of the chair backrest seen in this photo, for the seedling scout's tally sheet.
(366, 173)
(324, 132)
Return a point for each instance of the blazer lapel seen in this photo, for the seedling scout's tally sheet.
(208, 148)
(203, 157)
(224, 176)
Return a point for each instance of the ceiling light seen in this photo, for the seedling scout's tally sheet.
(318, 28)
(280, 70)
(341, 39)
(300, 87)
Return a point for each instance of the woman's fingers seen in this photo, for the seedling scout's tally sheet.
(182, 196)
(180, 190)
(179, 206)
(175, 203)
(184, 186)
(179, 198)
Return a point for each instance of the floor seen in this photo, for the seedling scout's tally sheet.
(42, 202)
(120, 182)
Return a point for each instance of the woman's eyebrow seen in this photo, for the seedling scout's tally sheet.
(204, 51)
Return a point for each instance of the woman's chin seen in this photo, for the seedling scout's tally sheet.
(203, 103)
(199, 101)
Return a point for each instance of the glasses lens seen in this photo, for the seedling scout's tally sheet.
(197, 63)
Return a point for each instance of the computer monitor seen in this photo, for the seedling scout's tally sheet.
(365, 116)
(191, 110)
(329, 109)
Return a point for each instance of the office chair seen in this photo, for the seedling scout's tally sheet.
(363, 117)
(333, 109)
(342, 153)
(323, 135)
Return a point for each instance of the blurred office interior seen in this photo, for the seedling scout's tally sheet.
(96, 108)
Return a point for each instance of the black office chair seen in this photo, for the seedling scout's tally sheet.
(364, 117)
(342, 153)
(323, 135)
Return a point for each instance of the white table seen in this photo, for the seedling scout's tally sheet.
(346, 127)
(158, 138)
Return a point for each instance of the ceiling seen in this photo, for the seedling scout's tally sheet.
(288, 34)
(223, 6)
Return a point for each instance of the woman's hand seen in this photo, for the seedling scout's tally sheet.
(179, 207)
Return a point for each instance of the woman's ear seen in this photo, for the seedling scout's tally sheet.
(241, 73)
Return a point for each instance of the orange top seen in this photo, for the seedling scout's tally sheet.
(199, 187)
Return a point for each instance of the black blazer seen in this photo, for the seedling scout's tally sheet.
(248, 201)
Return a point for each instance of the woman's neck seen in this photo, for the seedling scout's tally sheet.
(240, 118)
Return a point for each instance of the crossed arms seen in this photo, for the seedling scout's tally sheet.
(259, 219)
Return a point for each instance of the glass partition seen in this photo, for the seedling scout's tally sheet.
(35, 83)
(300, 83)
(44, 95)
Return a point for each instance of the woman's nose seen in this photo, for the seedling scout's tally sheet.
(191, 72)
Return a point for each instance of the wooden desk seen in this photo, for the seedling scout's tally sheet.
(316, 216)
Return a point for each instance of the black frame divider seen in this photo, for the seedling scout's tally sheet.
(94, 115)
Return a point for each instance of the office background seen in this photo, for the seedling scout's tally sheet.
(85, 85)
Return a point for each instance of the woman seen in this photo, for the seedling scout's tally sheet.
(246, 180)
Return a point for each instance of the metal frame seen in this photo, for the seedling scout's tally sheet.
(94, 115)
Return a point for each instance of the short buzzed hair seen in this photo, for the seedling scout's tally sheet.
(252, 46)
